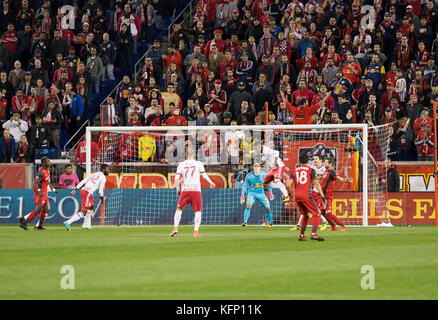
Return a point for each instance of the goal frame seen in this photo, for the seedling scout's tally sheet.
(363, 127)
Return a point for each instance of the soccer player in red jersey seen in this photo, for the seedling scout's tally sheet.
(40, 184)
(304, 178)
(327, 183)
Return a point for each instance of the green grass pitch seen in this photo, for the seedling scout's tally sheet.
(226, 263)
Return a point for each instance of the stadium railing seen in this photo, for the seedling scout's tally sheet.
(188, 11)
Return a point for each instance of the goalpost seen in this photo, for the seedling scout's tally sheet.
(140, 188)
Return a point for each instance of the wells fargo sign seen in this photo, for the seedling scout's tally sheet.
(402, 208)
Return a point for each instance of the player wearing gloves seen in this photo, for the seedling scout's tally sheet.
(254, 187)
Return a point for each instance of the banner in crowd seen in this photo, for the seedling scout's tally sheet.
(158, 206)
(13, 176)
(412, 178)
(416, 178)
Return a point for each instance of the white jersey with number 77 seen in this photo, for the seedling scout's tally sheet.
(190, 171)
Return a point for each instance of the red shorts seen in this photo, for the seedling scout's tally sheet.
(274, 174)
(87, 200)
(192, 197)
(307, 207)
(41, 201)
(318, 200)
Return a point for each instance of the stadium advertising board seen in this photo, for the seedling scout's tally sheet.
(402, 208)
(13, 176)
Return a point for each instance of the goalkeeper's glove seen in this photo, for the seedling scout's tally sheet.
(242, 199)
(271, 196)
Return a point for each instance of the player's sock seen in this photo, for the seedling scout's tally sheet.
(334, 219)
(30, 216)
(43, 216)
(87, 220)
(300, 221)
(177, 218)
(323, 219)
(269, 216)
(304, 223)
(198, 215)
(315, 224)
(75, 217)
(246, 215)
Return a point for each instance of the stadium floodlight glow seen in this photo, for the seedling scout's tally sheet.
(143, 161)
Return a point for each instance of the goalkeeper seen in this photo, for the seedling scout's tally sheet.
(254, 186)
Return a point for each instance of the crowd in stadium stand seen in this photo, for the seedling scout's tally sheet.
(222, 69)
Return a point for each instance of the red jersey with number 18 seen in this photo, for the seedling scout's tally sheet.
(303, 177)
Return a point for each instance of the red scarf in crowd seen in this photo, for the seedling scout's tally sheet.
(148, 12)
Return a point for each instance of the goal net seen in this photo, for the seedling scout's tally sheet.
(140, 188)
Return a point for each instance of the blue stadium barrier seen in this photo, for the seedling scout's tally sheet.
(221, 206)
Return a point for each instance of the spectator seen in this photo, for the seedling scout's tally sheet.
(24, 152)
(218, 99)
(176, 119)
(17, 75)
(108, 54)
(39, 134)
(3, 56)
(146, 14)
(95, 67)
(4, 107)
(53, 119)
(210, 115)
(111, 113)
(425, 144)
(10, 39)
(68, 179)
(7, 147)
(58, 45)
(77, 111)
(392, 176)
(125, 44)
(81, 151)
(201, 120)
(16, 126)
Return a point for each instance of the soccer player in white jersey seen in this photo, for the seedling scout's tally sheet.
(89, 185)
(275, 177)
(319, 168)
(189, 189)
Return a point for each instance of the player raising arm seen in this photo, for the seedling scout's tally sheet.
(89, 185)
(303, 177)
(327, 183)
(190, 171)
(254, 186)
(40, 185)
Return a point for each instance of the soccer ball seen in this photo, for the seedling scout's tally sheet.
(240, 135)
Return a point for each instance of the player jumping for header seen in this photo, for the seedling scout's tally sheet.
(254, 186)
(89, 185)
(40, 185)
(190, 171)
(303, 177)
(274, 179)
(328, 180)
